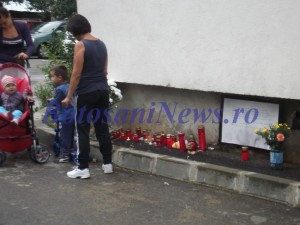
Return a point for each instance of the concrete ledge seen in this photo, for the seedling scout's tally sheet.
(244, 182)
(132, 159)
(217, 176)
(272, 187)
(173, 168)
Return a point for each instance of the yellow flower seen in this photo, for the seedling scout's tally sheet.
(280, 125)
(265, 130)
(277, 126)
(256, 131)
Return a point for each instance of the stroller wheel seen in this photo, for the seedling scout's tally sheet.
(2, 157)
(39, 154)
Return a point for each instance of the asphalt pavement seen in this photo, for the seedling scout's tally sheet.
(37, 194)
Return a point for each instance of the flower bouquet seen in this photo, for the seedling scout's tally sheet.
(275, 135)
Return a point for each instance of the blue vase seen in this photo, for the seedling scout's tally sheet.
(276, 159)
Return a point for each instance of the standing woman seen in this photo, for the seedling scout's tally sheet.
(12, 37)
(89, 84)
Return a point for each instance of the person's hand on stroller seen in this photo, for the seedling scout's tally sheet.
(30, 99)
(22, 56)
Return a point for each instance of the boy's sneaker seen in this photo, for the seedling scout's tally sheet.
(107, 168)
(64, 159)
(78, 173)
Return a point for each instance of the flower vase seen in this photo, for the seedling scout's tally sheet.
(276, 159)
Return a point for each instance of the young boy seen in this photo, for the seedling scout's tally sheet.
(59, 77)
(11, 101)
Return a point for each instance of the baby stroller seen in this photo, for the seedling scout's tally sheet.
(14, 138)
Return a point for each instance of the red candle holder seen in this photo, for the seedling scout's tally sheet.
(128, 134)
(120, 131)
(123, 137)
(158, 141)
(135, 138)
(245, 153)
(138, 131)
(181, 142)
(163, 140)
(173, 137)
(201, 137)
(115, 134)
(144, 134)
(192, 145)
(169, 141)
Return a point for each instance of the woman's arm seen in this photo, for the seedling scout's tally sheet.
(24, 32)
(76, 72)
(28, 39)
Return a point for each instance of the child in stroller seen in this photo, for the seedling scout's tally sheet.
(17, 131)
(11, 101)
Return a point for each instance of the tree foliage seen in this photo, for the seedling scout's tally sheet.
(55, 9)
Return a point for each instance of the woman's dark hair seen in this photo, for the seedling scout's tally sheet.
(60, 70)
(78, 25)
(3, 12)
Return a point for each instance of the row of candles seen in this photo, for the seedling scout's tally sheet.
(161, 139)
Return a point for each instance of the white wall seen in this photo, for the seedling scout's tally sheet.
(235, 46)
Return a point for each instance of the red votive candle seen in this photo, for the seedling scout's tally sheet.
(201, 137)
(138, 131)
(169, 141)
(123, 137)
(115, 134)
(245, 153)
(181, 142)
(144, 134)
(158, 141)
(120, 131)
(163, 140)
(135, 138)
(128, 134)
(173, 137)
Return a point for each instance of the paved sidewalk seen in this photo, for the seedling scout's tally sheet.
(35, 194)
(238, 180)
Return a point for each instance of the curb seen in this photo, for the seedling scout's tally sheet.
(244, 182)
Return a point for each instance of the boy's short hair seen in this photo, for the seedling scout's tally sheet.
(4, 12)
(78, 25)
(60, 70)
